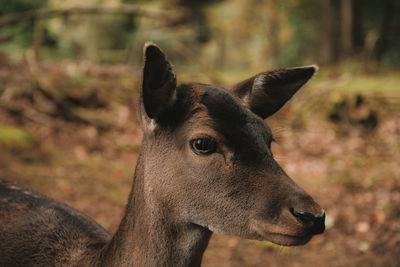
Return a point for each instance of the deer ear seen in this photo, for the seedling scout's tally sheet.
(158, 84)
(267, 92)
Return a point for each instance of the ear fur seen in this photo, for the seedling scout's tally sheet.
(158, 84)
(266, 92)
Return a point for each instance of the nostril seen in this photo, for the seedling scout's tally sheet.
(305, 217)
(312, 223)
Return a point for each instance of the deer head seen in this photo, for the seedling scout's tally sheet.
(207, 157)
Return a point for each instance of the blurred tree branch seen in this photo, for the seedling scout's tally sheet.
(121, 9)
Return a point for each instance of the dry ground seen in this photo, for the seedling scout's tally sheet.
(88, 163)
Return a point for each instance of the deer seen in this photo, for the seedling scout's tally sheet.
(205, 165)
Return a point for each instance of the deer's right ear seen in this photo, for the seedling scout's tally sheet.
(158, 85)
(266, 92)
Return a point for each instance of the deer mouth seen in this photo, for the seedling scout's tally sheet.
(279, 235)
(287, 240)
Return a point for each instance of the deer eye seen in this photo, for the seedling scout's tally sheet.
(203, 145)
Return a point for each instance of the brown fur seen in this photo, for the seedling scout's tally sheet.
(178, 197)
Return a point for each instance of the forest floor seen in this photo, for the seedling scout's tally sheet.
(70, 132)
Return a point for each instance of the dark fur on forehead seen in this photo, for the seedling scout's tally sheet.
(220, 103)
(224, 106)
(187, 96)
(241, 128)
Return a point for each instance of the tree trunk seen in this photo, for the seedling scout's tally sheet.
(273, 31)
(330, 32)
(384, 31)
(351, 35)
(358, 36)
(347, 27)
(38, 32)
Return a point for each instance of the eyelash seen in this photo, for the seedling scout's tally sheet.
(270, 142)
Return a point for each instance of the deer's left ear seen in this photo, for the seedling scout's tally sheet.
(267, 92)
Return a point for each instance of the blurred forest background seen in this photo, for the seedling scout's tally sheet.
(69, 83)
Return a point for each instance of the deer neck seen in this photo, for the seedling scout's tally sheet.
(149, 236)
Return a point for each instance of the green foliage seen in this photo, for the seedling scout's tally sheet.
(304, 18)
(116, 32)
(22, 32)
(8, 7)
(10, 135)
(232, 34)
